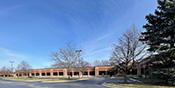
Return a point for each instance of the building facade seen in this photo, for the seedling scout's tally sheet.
(140, 68)
(137, 69)
(62, 72)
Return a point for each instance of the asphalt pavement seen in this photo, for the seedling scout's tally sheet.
(90, 83)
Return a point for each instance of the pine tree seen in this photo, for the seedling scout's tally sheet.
(160, 29)
(160, 36)
(160, 32)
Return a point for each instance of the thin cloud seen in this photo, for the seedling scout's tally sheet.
(94, 48)
(48, 64)
(103, 37)
(9, 53)
(4, 11)
(99, 51)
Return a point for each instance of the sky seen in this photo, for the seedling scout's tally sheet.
(31, 29)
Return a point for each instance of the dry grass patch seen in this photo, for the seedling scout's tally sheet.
(139, 85)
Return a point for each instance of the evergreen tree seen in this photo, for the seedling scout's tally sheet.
(160, 36)
(160, 29)
(160, 32)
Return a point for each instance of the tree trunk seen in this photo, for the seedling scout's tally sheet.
(115, 73)
(125, 77)
(68, 74)
(138, 70)
(82, 74)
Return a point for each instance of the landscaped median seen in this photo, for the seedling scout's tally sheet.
(24, 79)
(63, 80)
(44, 80)
(136, 85)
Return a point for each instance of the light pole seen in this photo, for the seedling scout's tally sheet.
(11, 65)
(78, 50)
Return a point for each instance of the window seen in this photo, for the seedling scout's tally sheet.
(32, 74)
(85, 73)
(76, 73)
(37, 74)
(55, 74)
(101, 72)
(43, 74)
(92, 73)
(61, 73)
(48, 74)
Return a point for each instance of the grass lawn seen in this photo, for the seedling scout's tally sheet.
(152, 81)
(42, 79)
(139, 85)
(23, 79)
(62, 79)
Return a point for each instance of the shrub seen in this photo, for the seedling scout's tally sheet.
(30, 76)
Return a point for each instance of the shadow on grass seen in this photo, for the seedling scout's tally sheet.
(139, 85)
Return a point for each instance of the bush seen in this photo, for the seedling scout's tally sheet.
(171, 79)
(30, 76)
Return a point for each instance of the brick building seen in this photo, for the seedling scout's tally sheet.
(62, 72)
(7, 75)
(138, 69)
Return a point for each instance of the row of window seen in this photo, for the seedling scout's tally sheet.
(60, 74)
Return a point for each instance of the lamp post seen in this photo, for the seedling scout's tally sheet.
(11, 65)
(78, 50)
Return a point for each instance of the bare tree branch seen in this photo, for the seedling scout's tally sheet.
(82, 65)
(129, 50)
(5, 71)
(66, 57)
(23, 68)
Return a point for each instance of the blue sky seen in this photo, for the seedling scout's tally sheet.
(31, 29)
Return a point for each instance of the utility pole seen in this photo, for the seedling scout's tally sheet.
(11, 65)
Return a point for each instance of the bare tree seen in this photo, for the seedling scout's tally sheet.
(23, 68)
(66, 57)
(105, 62)
(97, 63)
(5, 71)
(102, 62)
(82, 65)
(128, 50)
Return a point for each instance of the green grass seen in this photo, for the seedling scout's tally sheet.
(62, 79)
(41, 79)
(139, 85)
(25, 79)
(152, 81)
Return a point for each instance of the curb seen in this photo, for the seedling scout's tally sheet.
(106, 85)
(135, 80)
(113, 86)
(62, 81)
